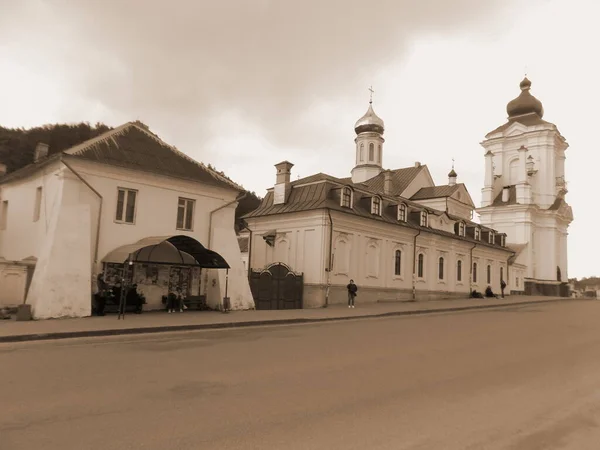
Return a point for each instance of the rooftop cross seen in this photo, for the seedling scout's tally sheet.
(453, 163)
(371, 98)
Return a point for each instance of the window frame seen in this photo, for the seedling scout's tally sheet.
(441, 268)
(343, 197)
(186, 201)
(371, 152)
(37, 206)
(421, 265)
(462, 228)
(398, 263)
(402, 213)
(474, 272)
(489, 274)
(477, 234)
(376, 206)
(126, 193)
(459, 271)
(491, 237)
(424, 219)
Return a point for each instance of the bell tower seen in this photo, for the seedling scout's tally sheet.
(524, 193)
(369, 145)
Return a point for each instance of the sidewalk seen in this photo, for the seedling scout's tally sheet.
(154, 322)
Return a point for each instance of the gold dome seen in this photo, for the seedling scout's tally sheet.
(525, 103)
(370, 122)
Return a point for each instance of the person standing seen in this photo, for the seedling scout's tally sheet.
(502, 287)
(352, 290)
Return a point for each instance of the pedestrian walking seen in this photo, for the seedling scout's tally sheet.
(352, 290)
(502, 287)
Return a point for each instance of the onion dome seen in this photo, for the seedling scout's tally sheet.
(452, 174)
(525, 103)
(370, 122)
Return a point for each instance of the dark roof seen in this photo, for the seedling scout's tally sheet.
(435, 192)
(512, 197)
(326, 195)
(133, 146)
(528, 120)
(401, 179)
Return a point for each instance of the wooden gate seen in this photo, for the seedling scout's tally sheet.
(277, 287)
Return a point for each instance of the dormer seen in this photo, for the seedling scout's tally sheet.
(402, 212)
(491, 237)
(347, 197)
(424, 218)
(460, 228)
(477, 233)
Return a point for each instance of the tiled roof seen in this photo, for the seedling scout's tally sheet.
(321, 195)
(133, 146)
(512, 197)
(435, 192)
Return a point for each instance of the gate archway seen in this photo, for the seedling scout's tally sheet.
(277, 287)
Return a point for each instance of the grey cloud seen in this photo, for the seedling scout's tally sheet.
(271, 59)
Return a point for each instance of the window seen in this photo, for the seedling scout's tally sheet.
(489, 274)
(517, 281)
(371, 152)
(424, 218)
(461, 229)
(379, 154)
(474, 272)
(347, 198)
(126, 205)
(376, 206)
(38, 204)
(420, 265)
(477, 234)
(503, 241)
(397, 262)
(441, 268)
(4, 215)
(459, 270)
(362, 152)
(491, 237)
(185, 214)
(402, 212)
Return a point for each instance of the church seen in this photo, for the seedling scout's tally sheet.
(400, 236)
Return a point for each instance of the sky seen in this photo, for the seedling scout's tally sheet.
(245, 84)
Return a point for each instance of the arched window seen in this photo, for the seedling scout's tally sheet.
(347, 197)
(402, 212)
(441, 268)
(420, 265)
(376, 206)
(379, 154)
(491, 237)
(477, 234)
(489, 274)
(461, 229)
(424, 221)
(459, 270)
(362, 152)
(397, 262)
(371, 152)
(474, 272)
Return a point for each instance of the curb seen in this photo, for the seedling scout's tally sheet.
(213, 326)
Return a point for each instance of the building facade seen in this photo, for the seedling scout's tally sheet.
(394, 232)
(68, 216)
(524, 193)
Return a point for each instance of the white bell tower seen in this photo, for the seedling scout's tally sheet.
(524, 192)
(369, 145)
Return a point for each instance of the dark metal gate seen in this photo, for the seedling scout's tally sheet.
(277, 287)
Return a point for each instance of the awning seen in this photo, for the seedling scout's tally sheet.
(180, 250)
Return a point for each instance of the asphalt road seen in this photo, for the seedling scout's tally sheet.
(523, 378)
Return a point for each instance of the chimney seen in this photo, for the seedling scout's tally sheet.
(387, 182)
(41, 151)
(417, 164)
(3, 169)
(505, 194)
(283, 185)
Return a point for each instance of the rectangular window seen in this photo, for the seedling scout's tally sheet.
(459, 271)
(423, 219)
(376, 206)
(346, 198)
(185, 214)
(489, 274)
(420, 266)
(398, 262)
(38, 204)
(4, 215)
(474, 272)
(126, 201)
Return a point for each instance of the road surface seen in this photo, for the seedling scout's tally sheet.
(522, 378)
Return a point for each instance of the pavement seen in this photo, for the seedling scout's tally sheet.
(157, 322)
(522, 377)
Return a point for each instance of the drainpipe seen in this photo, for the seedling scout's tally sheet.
(414, 275)
(329, 259)
(99, 209)
(249, 250)
(471, 269)
(210, 217)
(507, 265)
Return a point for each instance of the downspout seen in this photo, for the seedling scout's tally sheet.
(329, 259)
(471, 269)
(507, 270)
(249, 250)
(414, 274)
(99, 209)
(210, 218)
